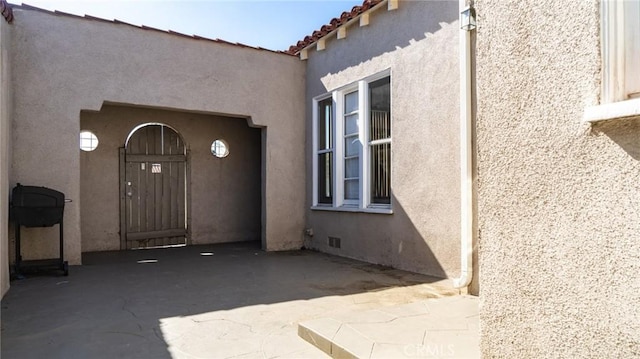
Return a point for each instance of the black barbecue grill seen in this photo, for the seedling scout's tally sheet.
(33, 206)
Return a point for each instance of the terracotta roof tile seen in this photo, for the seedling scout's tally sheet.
(9, 17)
(6, 11)
(333, 24)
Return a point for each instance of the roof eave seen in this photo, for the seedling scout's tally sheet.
(350, 22)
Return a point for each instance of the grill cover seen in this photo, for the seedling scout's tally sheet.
(34, 206)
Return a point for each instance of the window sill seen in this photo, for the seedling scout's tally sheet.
(353, 209)
(612, 111)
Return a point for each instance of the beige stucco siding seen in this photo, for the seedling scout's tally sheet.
(225, 192)
(559, 200)
(418, 43)
(65, 65)
(5, 149)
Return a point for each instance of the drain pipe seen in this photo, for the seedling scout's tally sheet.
(466, 159)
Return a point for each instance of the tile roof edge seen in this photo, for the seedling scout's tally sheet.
(28, 7)
(333, 25)
(6, 10)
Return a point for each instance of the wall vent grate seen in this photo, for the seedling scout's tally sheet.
(334, 242)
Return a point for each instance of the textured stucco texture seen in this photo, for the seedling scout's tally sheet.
(558, 199)
(5, 151)
(418, 44)
(225, 192)
(63, 65)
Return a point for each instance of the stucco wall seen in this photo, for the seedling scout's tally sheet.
(418, 42)
(65, 65)
(559, 201)
(5, 150)
(225, 192)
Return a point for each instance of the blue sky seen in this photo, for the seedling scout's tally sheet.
(272, 24)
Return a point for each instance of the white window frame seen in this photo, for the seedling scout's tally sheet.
(620, 41)
(317, 151)
(340, 178)
(363, 204)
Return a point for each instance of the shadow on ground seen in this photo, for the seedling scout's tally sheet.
(230, 300)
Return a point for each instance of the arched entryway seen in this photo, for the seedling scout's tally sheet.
(153, 188)
(224, 198)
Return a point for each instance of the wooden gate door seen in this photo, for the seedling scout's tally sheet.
(153, 167)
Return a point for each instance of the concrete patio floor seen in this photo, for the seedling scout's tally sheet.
(218, 301)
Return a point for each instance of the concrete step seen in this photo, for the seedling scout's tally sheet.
(433, 328)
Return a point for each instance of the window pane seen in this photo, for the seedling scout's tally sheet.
(88, 141)
(351, 124)
(352, 167)
(325, 178)
(380, 129)
(380, 125)
(380, 117)
(325, 119)
(632, 48)
(351, 102)
(351, 146)
(381, 174)
(220, 148)
(352, 189)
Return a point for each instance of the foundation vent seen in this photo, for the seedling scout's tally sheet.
(334, 242)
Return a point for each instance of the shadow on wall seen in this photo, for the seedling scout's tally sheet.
(420, 20)
(624, 133)
(389, 240)
(189, 301)
(413, 247)
(224, 204)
